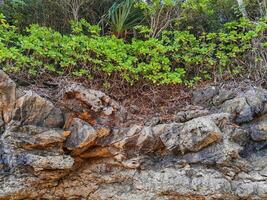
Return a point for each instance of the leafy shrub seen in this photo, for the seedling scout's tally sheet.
(175, 57)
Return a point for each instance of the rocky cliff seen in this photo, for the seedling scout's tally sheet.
(82, 148)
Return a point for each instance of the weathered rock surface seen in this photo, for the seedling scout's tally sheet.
(81, 150)
(92, 106)
(8, 96)
(31, 109)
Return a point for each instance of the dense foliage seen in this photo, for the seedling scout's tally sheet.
(174, 57)
(157, 41)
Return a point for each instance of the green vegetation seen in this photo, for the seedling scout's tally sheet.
(155, 42)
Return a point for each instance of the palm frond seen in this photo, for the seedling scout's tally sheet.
(124, 16)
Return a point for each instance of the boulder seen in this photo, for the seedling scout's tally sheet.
(245, 107)
(82, 135)
(20, 142)
(239, 109)
(191, 136)
(31, 137)
(170, 136)
(198, 134)
(256, 98)
(222, 153)
(148, 141)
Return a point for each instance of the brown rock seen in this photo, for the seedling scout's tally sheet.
(83, 136)
(7, 97)
(31, 109)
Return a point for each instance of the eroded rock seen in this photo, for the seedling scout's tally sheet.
(31, 109)
(83, 135)
(7, 97)
(82, 151)
(259, 130)
(204, 96)
(247, 106)
(93, 106)
(192, 136)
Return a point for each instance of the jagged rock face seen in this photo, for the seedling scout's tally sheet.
(8, 96)
(83, 150)
(92, 106)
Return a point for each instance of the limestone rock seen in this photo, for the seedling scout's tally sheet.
(204, 96)
(246, 106)
(191, 112)
(198, 133)
(148, 142)
(193, 135)
(256, 98)
(83, 136)
(7, 97)
(239, 108)
(223, 96)
(170, 136)
(40, 163)
(259, 130)
(31, 109)
(97, 100)
(31, 137)
(93, 106)
(216, 152)
(18, 142)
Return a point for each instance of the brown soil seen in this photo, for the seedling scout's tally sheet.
(142, 100)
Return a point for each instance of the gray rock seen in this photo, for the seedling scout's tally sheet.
(217, 154)
(239, 136)
(259, 130)
(82, 135)
(198, 133)
(245, 107)
(256, 98)
(205, 95)
(153, 121)
(250, 189)
(147, 141)
(97, 100)
(191, 112)
(96, 156)
(127, 143)
(223, 96)
(31, 137)
(170, 136)
(239, 109)
(192, 136)
(40, 163)
(31, 109)
(20, 141)
(15, 186)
